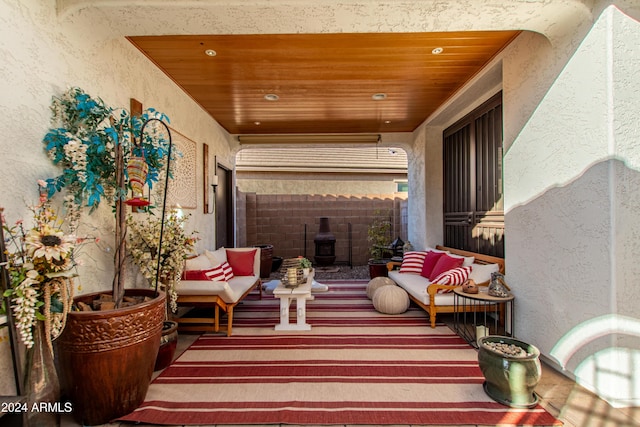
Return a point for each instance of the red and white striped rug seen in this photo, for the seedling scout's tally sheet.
(356, 366)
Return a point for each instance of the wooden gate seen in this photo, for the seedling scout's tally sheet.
(473, 201)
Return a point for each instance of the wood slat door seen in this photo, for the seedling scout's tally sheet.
(473, 200)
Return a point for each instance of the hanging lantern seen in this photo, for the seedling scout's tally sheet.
(137, 169)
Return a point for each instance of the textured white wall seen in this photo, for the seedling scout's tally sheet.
(572, 199)
(425, 189)
(42, 56)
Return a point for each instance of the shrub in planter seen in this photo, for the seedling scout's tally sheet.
(511, 369)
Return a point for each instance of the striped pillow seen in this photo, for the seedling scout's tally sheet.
(228, 271)
(221, 273)
(216, 274)
(412, 262)
(454, 277)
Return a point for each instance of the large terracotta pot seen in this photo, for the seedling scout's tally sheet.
(106, 358)
(510, 380)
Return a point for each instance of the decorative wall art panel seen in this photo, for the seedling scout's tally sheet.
(182, 188)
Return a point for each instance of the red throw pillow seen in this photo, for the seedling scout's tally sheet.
(412, 262)
(194, 275)
(445, 263)
(241, 262)
(455, 277)
(429, 262)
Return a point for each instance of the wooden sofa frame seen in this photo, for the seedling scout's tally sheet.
(203, 324)
(432, 289)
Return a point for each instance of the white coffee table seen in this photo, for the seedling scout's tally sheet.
(300, 294)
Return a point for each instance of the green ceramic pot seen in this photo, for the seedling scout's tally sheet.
(510, 380)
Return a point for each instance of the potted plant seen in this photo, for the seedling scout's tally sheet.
(93, 144)
(142, 246)
(511, 368)
(40, 262)
(378, 236)
(305, 265)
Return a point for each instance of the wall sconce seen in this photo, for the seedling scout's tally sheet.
(214, 184)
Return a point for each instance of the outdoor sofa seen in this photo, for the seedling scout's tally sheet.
(215, 281)
(438, 298)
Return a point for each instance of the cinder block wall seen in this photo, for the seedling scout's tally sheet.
(290, 222)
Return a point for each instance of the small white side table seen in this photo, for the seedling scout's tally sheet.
(300, 294)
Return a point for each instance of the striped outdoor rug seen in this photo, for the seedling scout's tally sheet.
(356, 366)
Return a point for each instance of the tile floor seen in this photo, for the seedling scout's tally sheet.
(571, 403)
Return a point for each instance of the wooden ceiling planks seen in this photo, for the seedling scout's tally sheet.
(325, 82)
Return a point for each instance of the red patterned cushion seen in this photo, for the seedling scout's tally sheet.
(454, 277)
(241, 262)
(429, 262)
(445, 263)
(412, 262)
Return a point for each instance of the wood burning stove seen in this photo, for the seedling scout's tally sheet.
(325, 245)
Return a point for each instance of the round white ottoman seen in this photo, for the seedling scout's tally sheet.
(376, 283)
(391, 300)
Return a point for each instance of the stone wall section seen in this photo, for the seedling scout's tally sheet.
(290, 222)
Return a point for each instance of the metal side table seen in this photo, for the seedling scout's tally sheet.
(478, 315)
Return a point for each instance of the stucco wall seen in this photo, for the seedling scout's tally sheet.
(42, 56)
(571, 207)
(570, 166)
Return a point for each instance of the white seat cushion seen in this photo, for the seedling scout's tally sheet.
(416, 286)
(230, 291)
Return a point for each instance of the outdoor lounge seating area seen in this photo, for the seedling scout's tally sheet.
(151, 149)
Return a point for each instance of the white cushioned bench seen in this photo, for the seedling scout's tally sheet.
(436, 298)
(218, 293)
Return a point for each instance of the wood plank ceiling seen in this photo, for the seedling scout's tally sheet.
(325, 83)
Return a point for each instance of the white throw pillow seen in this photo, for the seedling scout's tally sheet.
(201, 262)
(217, 257)
(436, 250)
(481, 273)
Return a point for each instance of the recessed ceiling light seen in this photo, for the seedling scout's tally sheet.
(379, 96)
(437, 50)
(387, 122)
(256, 123)
(271, 97)
(210, 52)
